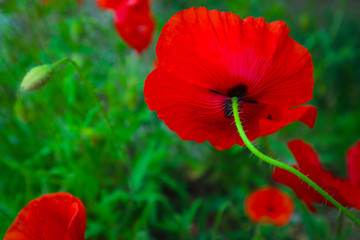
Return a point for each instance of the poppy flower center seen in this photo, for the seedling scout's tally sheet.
(239, 91)
(270, 209)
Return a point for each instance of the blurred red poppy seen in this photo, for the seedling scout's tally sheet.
(269, 205)
(133, 21)
(56, 216)
(345, 191)
(207, 57)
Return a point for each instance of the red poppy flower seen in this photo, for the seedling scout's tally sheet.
(343, 190)
(207, 57)
(133, 21)
(56, 216)
(269, 205)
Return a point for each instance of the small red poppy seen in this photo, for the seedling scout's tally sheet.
(57, 216)
(133, 21)
(269, 205)
(345, 191)
(207, 57)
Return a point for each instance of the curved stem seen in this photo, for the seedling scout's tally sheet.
(286, 167)
(94, 96)
(340, 226)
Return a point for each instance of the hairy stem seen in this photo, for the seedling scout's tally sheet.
(340, 226)
(95, 97)
(286, 167)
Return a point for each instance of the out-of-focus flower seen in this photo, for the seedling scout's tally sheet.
(133, 21)
(269, 205)
(345, 191)
(205, 58)
(56, 216)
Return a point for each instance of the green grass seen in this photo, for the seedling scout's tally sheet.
(145, 183)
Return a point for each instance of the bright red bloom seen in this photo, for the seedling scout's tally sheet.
(57, 216)
(342, 190)
(269, 205)
(207, 57)
(133, 21)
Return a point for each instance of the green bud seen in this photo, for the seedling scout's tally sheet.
(305, 22)
(37, 77)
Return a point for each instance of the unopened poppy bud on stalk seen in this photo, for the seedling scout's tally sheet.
(37, 77)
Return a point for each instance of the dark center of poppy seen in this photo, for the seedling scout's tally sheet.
(239, 91)
(228, 109)
(270, 209)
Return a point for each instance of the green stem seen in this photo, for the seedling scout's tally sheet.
(286, 167)
(267, 146)
(340, 224)
(94, 96)
(218, 218)
(257, 234)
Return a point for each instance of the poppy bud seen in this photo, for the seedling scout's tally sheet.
(37, 77)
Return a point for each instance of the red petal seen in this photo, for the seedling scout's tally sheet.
(269, 205)
(353, 163)
(341, 190)
(219, 51)
(56, 216)
(134, 23)
(350, 193)
(279, 117)
(305, 155)
(109, 4)
(301, 189)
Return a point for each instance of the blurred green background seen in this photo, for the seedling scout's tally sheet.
(144, 182)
